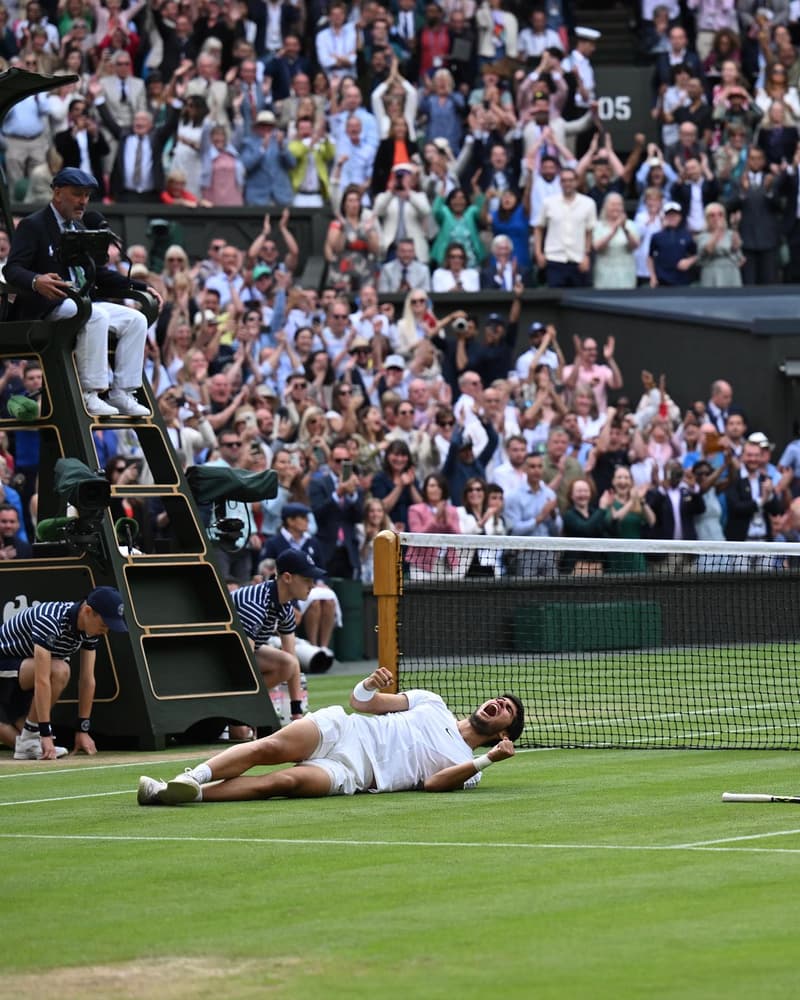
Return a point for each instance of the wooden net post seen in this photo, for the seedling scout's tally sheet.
(387, 587)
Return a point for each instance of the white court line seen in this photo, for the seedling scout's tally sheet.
(327, 842)
(64, 798)
(731, 840)
(100, 767)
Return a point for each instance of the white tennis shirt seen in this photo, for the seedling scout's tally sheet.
(405, 748)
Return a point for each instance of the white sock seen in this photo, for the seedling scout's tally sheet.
(201, 774)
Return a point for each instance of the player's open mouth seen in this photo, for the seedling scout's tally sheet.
(491, 709)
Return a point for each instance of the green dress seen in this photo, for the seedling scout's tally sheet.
(629, 526)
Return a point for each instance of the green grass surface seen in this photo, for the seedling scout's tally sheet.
(568, 874)
(736, 697)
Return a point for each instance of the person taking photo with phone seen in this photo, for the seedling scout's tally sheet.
(337, 502)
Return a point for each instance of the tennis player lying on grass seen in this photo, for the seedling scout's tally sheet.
(403, 742)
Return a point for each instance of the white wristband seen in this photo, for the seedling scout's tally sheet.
(481, 763)
(361, 693)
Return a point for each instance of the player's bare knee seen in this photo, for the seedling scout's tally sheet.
(59, 674)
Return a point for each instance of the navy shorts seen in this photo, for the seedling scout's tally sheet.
(14, 702)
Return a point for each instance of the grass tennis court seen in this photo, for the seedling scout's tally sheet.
(737, 696)
(569, 874)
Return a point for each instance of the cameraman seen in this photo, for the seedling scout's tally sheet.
(35, 267)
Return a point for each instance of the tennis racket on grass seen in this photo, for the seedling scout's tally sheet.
(741, 797)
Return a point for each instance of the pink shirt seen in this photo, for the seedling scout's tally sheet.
(599, 377)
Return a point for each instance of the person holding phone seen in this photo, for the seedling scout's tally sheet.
(337, 502)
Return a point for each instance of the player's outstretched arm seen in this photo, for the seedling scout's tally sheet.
(368, 697)
(450, 779)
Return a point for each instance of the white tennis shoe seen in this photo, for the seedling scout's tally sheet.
(183, 788)
(28, 746)
(149, 788)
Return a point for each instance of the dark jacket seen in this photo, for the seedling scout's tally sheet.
(682, 193)
(35, 250)
(741, 507)
(691, 505)
(67, 146)
(157, 137)
(456, 471)
(274, 546)
(332, 517)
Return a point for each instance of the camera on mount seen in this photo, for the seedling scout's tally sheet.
(228, 532)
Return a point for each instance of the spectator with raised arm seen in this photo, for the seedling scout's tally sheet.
(628, 515)
(268, 162)
(585, 369)
(403, 212)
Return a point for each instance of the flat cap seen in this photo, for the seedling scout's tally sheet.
(73, 177)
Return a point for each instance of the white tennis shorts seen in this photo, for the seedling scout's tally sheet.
(340, 751)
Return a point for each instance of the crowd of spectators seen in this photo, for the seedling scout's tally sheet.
(470, 128)
(458, 147)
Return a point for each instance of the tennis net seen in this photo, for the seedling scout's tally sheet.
(612, 644)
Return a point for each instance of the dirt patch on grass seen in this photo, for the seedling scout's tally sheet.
(176, 978)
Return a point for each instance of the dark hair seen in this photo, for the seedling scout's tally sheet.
(395, 448)
(453, 193)
(514, 730)
(516, 727)
(473, 481)
(350, 189)
(435, 477)
(330, 374)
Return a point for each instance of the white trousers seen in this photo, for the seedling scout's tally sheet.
(91, 348)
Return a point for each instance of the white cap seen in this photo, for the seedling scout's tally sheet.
(761, 439)
(587, 34)
(394, 361)
(672, 206)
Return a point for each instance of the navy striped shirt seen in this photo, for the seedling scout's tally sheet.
(53, 625)
(261, 613)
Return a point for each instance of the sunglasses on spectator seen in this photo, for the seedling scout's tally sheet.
(218, 246)
(446, 423)
(230, 444)
(339, 315)
(405, 413)
(475, 489)
(345, 392)
(418, 302)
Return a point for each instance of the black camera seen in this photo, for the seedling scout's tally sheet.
(79, 244)
(228, 530)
